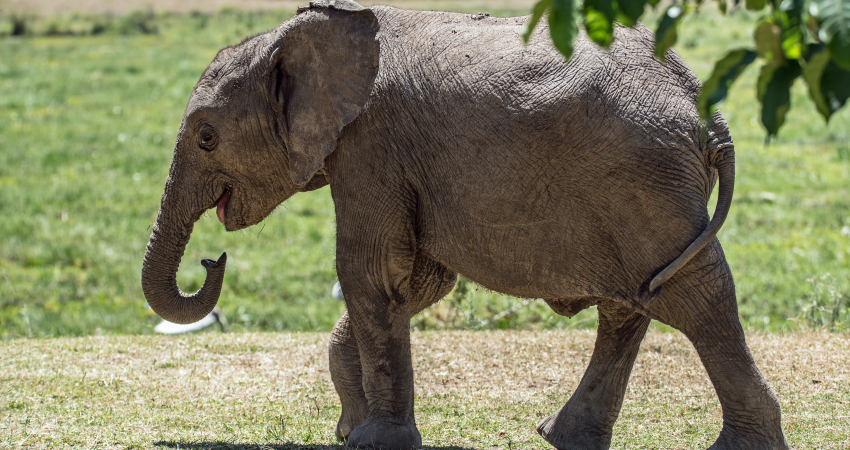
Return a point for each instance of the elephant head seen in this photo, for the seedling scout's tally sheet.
(259, 125)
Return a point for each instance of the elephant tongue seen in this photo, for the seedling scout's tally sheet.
(222, 202)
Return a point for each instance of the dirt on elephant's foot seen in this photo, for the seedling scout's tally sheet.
(566, 432)
(733, 438)
(384, 434)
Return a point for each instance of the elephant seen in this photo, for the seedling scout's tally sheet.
(450, 147)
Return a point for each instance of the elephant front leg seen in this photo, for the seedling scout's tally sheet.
(347, 378)
(429, 282)
(374, 270)
(587, 420)
(382, 329)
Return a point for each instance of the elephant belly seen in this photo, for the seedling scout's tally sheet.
(557, 257)
(572, 305)
(586, 231)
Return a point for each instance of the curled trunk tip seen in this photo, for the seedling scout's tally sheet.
(165, 297)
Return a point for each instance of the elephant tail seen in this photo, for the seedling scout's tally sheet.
(720, 155)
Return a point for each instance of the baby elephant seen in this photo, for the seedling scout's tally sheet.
(450, 147)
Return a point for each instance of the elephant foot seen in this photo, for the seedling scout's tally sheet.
(745, 438)
(385, 434)
(349, 420)
(567, 431)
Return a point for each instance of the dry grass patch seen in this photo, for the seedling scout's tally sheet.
(474, 390)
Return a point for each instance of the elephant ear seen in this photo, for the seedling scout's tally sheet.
(322, 69)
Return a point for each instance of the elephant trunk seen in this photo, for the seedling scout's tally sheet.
(159, 272)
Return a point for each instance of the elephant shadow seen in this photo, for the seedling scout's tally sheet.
(284, 446)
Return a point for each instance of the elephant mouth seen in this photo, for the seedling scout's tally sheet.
(221, 203)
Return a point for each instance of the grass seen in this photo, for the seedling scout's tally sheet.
(78, 24)
(87, 124)
(473, 390)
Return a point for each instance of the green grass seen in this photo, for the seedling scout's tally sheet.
(473, 390)
(87, 125)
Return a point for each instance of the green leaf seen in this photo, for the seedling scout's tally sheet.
(835, 85)
(816, 62)
(599, 16)
(539, 9)
(665, 34)
(834, 17)
(599, 28)
(789, 17)
(774, 93)
(768, 37)
(755, 5)
(725, 72)
(563, 26)
(829, 84)
(840, 53)
(653, 3)
(723, 6)
(631, 11)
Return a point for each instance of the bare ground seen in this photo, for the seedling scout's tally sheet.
(46, 7)
(474, 390)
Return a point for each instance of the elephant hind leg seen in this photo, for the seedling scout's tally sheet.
(700, 302)
(430, 282)
(586, 421)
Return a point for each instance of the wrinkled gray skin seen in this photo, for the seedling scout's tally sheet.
(451, 148)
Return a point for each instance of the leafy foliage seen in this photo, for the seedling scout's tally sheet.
(539, 9)
(796, 38)
(629, 11)
(774, 93)
(726, 71)
(834, 19)
(562, 25)
(829, 84)
(665, 34)
(599, 17)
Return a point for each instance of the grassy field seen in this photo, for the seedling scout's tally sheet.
(89, 109)
(473, 390)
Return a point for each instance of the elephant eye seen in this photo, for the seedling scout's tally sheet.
(207, 138)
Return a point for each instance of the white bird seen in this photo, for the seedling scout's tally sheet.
(337, 291)
(166, 327)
